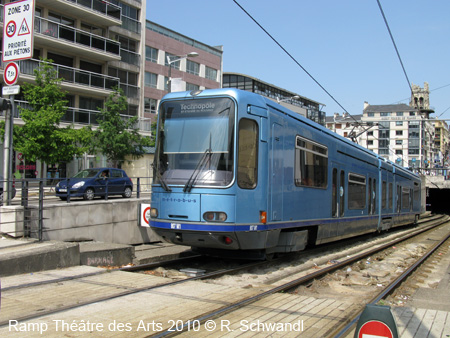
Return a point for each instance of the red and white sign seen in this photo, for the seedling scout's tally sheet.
(145, 215)
(11, 73)
(375, 329)
(18, 31)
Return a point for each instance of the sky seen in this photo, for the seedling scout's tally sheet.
(344, 45)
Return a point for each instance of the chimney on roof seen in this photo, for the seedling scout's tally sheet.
(366, 104)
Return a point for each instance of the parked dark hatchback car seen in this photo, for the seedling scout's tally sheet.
(89, 183)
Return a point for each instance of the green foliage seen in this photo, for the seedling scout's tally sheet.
(41, 137)
(117, 135)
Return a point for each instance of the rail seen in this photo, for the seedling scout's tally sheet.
(73, 75)
(63, 32)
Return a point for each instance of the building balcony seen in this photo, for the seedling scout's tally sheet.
(73, 79)
(96, 12)
(129, 57)
(72, 40)
(80, 116)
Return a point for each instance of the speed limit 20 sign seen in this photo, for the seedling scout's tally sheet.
(18, 27)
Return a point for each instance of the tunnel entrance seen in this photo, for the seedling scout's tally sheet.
(438, 201)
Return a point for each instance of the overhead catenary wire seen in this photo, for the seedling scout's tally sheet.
(293, 59)
(395, 45)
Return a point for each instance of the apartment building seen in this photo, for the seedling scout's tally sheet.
(441, 143)
(95, 46)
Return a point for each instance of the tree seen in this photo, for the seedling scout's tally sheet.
(117, 135)
(41, 137)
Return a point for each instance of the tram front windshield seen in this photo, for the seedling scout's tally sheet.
(195, 143)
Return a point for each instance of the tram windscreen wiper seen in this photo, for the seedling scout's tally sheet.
(161, 179)
(200, 165)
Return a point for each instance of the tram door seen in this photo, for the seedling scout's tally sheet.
(276, 173)
(338, 193)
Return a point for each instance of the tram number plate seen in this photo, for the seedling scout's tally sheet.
(175, 225)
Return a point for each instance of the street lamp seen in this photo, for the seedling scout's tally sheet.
(175, 58)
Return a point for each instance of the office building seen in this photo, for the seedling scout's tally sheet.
(192, 65)
(306, 107)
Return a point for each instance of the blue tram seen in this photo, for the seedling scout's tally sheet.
(236, 173)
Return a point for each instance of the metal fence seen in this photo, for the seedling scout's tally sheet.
(30, 197)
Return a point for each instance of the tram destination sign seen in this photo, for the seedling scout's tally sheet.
(18, 27)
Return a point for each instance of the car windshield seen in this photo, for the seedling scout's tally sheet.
(195, 142)
(87, 173)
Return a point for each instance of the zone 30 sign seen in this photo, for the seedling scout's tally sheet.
(18, 29)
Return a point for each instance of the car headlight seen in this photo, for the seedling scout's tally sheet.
(57, 184)
(78, 185)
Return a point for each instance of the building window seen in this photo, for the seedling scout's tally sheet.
(370, 143)
(398, 142)
(370, 133)
(151, 80)
(370, 114)
(399, 123)
(398, 152)
(210, 73)
(385, 114)
(61, 19)
(150, 105)
(311, 164)
(192, 67)
(411, 113)
(191, 86)
(399, 132)
(151, 54)
(174, 65)
(356, 191)
(399, 113)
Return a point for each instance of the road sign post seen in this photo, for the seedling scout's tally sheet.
(376, 321)
(18, 28)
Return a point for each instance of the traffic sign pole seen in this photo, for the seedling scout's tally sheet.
(17, 45)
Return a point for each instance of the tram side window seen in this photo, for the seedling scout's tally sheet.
(405, 198)
(416, 192)
(356, 191)
(311, 164)
(383, 195)
(247, 154)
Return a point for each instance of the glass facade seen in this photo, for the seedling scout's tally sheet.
(253, 85)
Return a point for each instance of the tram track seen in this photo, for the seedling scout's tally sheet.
(428, 225)
(123, 291)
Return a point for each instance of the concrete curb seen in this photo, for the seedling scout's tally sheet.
(40, 257)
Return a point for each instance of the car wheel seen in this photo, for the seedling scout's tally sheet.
(127, 192)
(63, 198)
(89, 194)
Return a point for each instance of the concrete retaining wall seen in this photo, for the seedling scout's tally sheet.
(113, 221)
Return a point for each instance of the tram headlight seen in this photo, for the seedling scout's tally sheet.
(153, 213)
(215, 216)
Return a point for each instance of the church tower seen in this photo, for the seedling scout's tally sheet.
(420, 98)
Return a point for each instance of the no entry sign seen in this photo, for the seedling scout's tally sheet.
(18, 27)
(375, 329)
